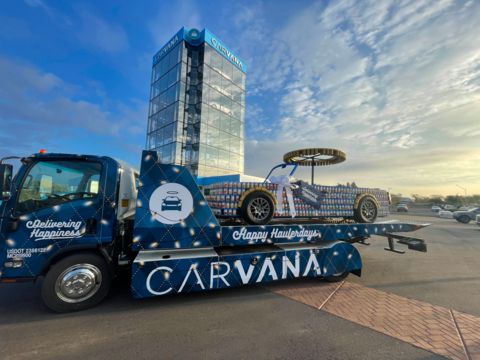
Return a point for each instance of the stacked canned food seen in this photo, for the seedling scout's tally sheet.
(224, 197)
(338, 202)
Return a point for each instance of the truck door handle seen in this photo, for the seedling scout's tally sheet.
(91, 226)
(13, 224)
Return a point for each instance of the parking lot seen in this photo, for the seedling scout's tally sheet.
(304, 318)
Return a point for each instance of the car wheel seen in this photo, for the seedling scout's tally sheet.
(337, 277)
(366, 211)
(465, 219)
(258, 208)
(77, 282)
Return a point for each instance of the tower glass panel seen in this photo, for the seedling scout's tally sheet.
(197, 109)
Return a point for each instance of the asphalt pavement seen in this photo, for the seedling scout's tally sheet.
(250, 321)
(447, 275)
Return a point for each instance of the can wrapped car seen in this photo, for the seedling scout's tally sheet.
(285, 197)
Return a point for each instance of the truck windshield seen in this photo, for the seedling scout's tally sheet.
(51, 183)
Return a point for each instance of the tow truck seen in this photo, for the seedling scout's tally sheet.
(79, 220)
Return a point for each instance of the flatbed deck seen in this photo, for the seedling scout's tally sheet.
(311, 231)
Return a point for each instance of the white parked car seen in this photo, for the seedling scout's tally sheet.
(444, 214)
(477, 221)
(436, 208)
(449, 207)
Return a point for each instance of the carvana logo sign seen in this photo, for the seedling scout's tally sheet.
(195, 38)
(171, 203)
(225, 51)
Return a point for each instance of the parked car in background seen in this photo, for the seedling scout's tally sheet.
(466, 216)
(402, 207)
(436, 208)
(478, 220)
(449, 207)
(445, 214)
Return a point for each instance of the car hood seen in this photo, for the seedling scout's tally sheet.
(461, 212)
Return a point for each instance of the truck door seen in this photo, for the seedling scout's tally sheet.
(58, 204)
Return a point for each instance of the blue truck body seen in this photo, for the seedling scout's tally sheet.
(172, 249)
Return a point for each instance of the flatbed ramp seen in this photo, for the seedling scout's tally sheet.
(260, 254)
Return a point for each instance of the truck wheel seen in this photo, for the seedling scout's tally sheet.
(465, 219)
(77, 282)
(367, 210)
(337, 277)
(258, 208)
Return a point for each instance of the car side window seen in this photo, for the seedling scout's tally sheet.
(52, 183)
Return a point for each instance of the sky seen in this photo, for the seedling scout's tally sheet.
(395, 84)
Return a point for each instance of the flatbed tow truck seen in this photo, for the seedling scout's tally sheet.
(78, 220)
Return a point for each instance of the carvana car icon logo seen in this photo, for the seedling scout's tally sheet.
(171, 203)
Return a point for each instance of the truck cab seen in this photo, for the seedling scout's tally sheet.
(59, 206)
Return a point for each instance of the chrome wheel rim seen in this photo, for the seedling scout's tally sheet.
(259, 209)
(368, 210)
(78, 283)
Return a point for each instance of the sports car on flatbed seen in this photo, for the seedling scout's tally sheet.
(283, 197)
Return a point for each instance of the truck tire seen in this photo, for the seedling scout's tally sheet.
(366, 211)
(337, 277)
(77, 282)
(258, 208)
(465, 219)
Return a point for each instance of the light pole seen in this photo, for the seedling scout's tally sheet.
(463, 190)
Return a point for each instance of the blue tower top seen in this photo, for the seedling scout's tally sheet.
(195, 38)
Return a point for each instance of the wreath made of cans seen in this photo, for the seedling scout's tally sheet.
(309, 157)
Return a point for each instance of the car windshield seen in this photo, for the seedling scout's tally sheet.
(282, 171)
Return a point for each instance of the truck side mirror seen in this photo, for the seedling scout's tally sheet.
(6, 174)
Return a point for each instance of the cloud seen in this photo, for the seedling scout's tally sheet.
(42, 103)
(40, 3)
(101, 35)
(389, 81)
